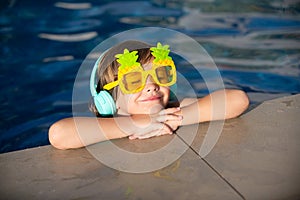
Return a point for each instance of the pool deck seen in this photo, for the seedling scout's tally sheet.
(256, 157)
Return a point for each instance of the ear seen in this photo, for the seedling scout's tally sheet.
(117, 106)
(117, 97)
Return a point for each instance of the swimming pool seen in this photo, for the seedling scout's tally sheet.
(255, 46)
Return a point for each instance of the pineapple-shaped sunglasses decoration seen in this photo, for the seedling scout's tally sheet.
(128, 63)
(167, 74)
(161, 54)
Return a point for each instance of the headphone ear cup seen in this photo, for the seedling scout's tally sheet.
(105, 103)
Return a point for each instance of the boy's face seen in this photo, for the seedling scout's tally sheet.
(150, 100)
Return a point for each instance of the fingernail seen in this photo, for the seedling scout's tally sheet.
(178, 108)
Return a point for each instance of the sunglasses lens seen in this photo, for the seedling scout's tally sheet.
(132, 81)
(164, 74)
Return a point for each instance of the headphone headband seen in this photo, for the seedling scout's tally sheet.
(104, 102)
(93, 84)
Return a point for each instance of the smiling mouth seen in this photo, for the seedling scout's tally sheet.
(152, 98)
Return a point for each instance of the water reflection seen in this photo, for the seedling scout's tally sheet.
(73, 6)
(42, 44)
(69, 37)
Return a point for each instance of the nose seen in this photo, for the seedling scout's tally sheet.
(151, 85)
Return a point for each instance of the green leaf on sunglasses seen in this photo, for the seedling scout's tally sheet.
(127, 59)
(160, 52)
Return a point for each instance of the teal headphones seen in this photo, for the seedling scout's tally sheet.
(103, 101)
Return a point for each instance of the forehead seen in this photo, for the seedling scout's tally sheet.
(148, 65)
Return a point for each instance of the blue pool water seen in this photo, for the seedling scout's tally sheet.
(255, 46)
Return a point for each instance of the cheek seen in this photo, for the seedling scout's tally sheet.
(122, 103)
(126, 103)
(166, 93)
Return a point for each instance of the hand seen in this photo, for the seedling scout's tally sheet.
(174, 125)
(177, 120)
(164, 122)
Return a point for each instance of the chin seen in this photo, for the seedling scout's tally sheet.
(154, 109)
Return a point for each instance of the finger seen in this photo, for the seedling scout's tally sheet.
(174, 125)
(162, 129)
(149, 135)
(169, 111)
(132, 137)
(167, 129)
(156, 126)
(155, 134)
(164, 118)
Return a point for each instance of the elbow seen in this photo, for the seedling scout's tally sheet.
(56, 135)
(242, 101)
(239, 102)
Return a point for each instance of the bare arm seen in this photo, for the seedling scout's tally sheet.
(219, 105)
(82, 131)
(222, 104)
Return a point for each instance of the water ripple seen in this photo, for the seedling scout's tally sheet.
(255, 44)
(69, 37)
(73, 6)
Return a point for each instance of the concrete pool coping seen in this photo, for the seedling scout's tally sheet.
(256, 157)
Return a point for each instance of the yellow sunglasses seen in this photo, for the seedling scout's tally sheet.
(135, 80)
(132, 77)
